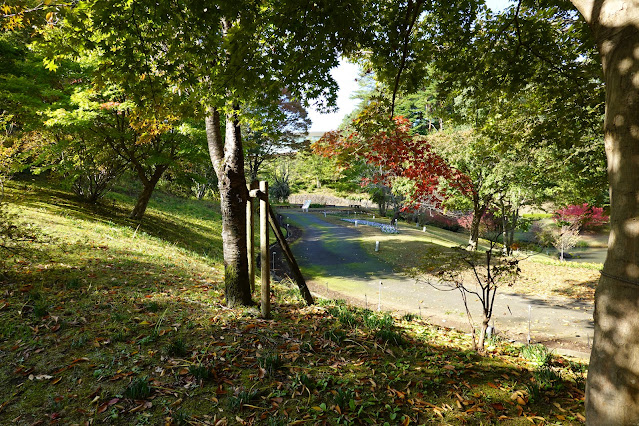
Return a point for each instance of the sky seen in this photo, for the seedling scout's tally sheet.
(345, 75)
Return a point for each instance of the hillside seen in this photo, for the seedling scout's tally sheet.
(109, 321)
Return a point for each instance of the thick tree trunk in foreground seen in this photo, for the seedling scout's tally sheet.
(612, 392)
(228, 160)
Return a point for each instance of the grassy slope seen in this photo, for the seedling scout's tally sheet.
(111, 323)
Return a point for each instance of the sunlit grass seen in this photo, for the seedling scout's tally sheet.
(112, 321)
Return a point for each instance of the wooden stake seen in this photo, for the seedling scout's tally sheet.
(295, 270)
(250, 236)
(265, 261)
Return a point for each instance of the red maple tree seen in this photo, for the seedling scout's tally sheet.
(395, 153)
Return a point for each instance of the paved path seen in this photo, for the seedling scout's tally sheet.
(335, 265)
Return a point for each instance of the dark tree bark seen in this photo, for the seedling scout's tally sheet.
(228, 161)
(480, 205)
(612, 391)
(148, 185)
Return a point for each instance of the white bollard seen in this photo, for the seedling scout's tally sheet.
(529, 318)
(376, 245)
(373, 216)
(355, 223)
(424, 229)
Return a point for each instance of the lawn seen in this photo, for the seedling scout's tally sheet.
(106, 320)
(541, 275)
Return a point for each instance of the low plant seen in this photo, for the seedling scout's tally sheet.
(270, 362)
(73, 284)
(409, 316)
(236, 402)
(138, 389)
(79, 341)
(546, 378)
(152, 306)
(345, 399)
(391, 336)
(302, 380)
(200, 372)
(539, 354)
(347, 318)
(336, 336)
(373, 320)
(177, 347)
(181, 418)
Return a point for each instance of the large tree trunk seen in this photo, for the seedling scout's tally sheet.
(228, 161)
(612, 392)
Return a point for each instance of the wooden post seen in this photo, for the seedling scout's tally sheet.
(265, 263)
(250, 236)
(299, 279)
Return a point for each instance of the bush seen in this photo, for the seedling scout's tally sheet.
(444, 222)
(280, 190)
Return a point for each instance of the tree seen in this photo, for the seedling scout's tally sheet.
(280, 131)
(398, 160)
(100, 132)
(462, 268)
(230, 59)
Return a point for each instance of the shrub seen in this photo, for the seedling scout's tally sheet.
(444, 222)
(280, 190)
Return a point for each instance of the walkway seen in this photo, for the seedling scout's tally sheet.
(336, 266)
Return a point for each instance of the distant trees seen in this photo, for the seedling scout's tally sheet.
(278, 130)
(405, 164)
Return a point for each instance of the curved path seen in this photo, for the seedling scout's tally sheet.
(335, 265)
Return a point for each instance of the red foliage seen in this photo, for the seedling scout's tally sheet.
(395, 153)
(442, 221)
(488, 220)
(586, 216)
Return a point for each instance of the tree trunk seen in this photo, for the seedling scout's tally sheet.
(228, 161)
(482, 334)
(478, 213)
(612, 391)
(382, 208)
(147, 191)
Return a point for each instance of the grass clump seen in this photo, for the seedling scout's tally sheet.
(200, 372)
(538, 354)
(138, 389)
(390, 336)
(177, 347)
(237, 402)
(270, 362)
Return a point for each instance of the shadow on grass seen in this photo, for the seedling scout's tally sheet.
(584, 290)
(160, 224)
(125, 325)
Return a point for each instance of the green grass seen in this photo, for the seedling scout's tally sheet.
(111, 323)
(414, 248)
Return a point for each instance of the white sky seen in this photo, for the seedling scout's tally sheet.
(345, 75)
